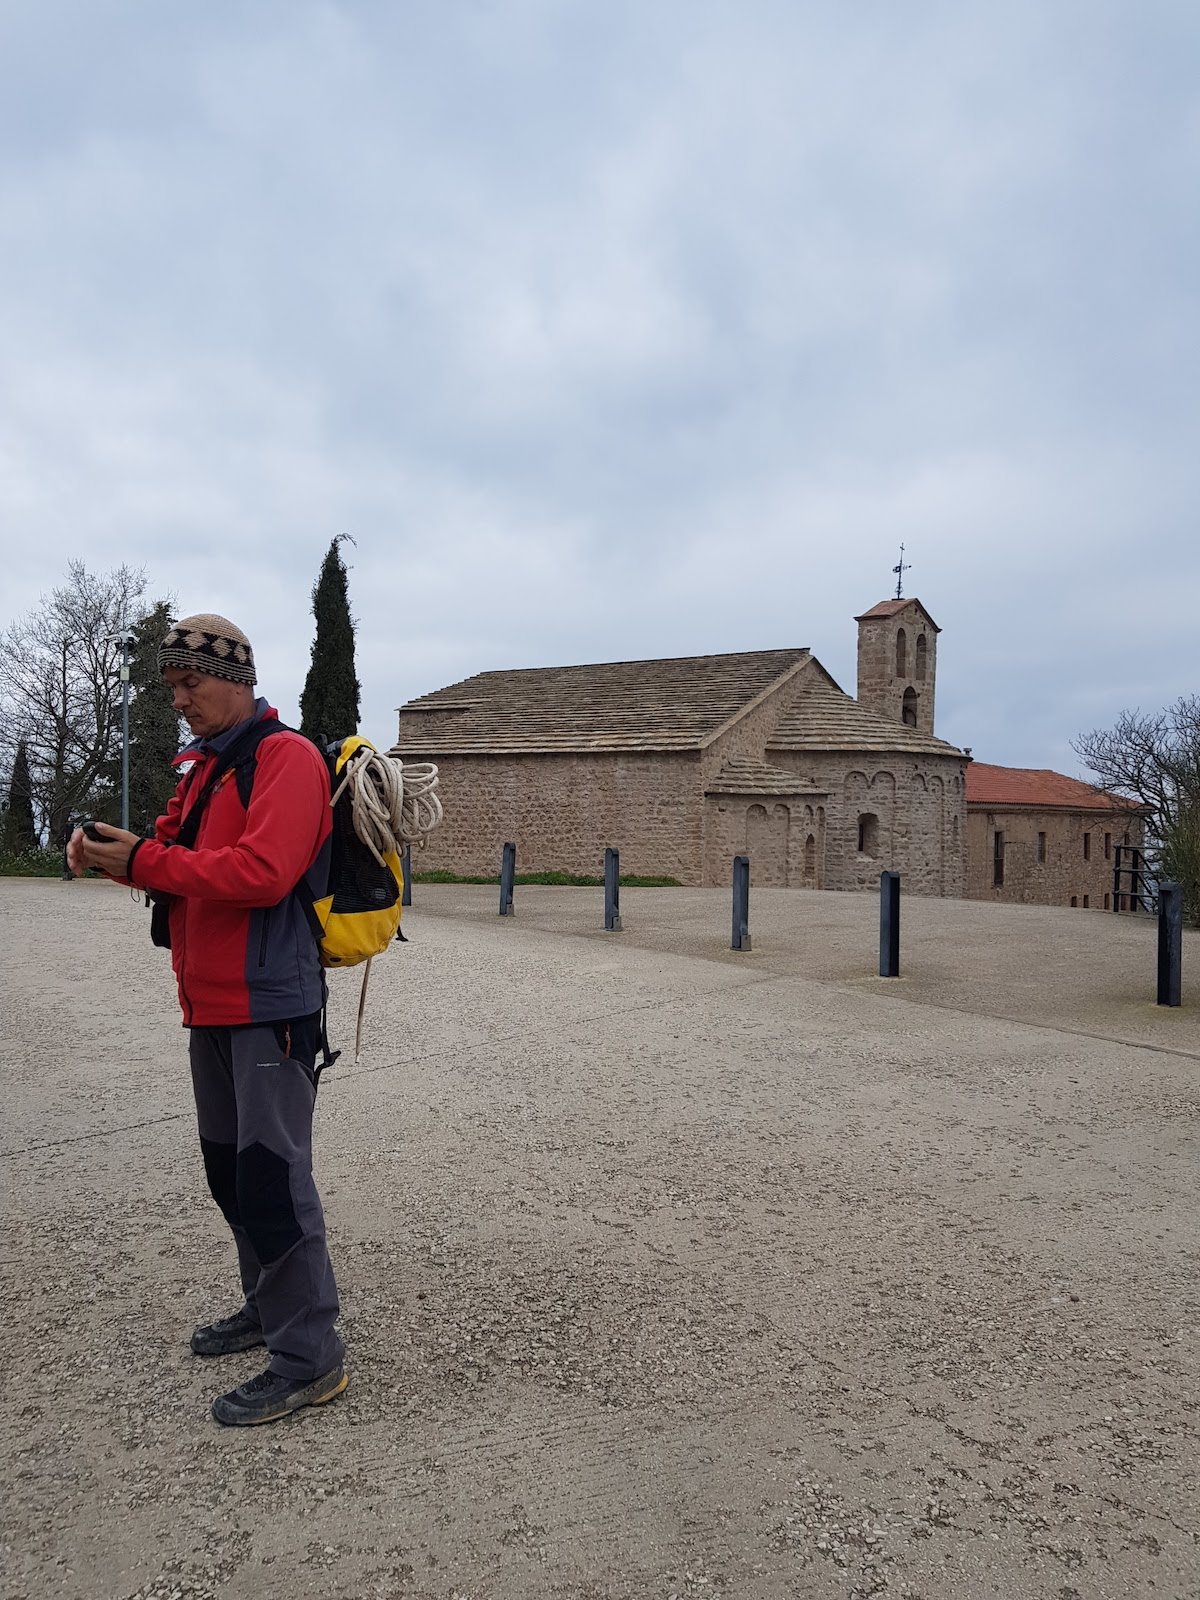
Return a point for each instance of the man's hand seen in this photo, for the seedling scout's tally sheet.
(112, 856)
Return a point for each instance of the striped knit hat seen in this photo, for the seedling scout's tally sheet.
(211, 644)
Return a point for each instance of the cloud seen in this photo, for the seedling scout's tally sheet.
(625, 331)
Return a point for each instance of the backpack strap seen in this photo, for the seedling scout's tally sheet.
(328, 1056)
(240, 758)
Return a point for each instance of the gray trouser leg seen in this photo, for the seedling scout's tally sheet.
(254, 1105)
(216, 1110)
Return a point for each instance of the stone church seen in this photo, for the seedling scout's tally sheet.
(684, 763)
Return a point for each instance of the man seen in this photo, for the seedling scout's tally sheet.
(252, 990)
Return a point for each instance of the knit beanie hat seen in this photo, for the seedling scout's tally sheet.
(211, 644)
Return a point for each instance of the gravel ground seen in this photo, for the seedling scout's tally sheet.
(665, 1271)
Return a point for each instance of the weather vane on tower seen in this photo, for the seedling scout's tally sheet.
(900, 569)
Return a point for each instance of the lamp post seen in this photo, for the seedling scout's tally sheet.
(124, 638)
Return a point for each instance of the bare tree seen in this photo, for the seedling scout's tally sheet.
(1155, 759)
(60, 686)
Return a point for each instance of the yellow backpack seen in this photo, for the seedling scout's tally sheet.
(378, 806)
(360, 914)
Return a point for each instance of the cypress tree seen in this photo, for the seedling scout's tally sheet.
(329, 704)
(154, 727)
(20, 830)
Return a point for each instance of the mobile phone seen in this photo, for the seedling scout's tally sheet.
(90, 832)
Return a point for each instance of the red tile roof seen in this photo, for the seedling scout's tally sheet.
(1026, 786)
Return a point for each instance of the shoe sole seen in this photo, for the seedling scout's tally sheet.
(230, 1417)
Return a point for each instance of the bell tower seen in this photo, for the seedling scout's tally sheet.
(897, 663)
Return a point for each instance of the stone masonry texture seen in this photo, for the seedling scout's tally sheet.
(1051, 856)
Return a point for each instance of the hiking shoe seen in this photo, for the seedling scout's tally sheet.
(241, 1331)
(271, 1396)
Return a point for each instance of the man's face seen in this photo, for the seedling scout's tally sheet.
(208, 705)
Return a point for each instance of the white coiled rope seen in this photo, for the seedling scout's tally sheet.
(392, 805)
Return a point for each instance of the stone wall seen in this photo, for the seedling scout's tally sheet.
(784, 836)
(887, 672)
(916, 811)
(563, 810)
(1055, 872)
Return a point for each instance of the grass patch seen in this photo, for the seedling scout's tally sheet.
(555, 880)
(31, 864)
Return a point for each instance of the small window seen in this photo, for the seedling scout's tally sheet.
(1087, 847)
(1107, 846)
(1108, 902)
(1041, 849)
(1086, 902)
(998, 860)
(1074, 901)
(901, 654)
(908, 711)
(868, 834)
(922, 657)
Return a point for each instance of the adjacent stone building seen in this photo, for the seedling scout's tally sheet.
(684, 763)
(1039, 838)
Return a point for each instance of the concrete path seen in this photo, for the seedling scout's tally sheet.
(665, 1271)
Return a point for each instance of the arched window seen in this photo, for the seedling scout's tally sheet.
(901, 654)
(908, 711)
(922, 654)
(810, 860)
(868, 834)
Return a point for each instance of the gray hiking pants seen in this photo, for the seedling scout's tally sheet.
(254, 1104)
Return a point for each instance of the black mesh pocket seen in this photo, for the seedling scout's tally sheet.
(357, 882)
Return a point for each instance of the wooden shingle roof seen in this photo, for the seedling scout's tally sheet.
(825, 718)
(680, 703)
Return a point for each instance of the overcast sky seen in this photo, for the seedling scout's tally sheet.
(618, 330)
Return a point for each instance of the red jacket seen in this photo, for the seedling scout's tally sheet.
(241, 944)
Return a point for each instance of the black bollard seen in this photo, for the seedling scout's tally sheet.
(1170, 945)
(612, 891)
(889, 924)
(741, 903)
(508, 871)
(406, 863)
